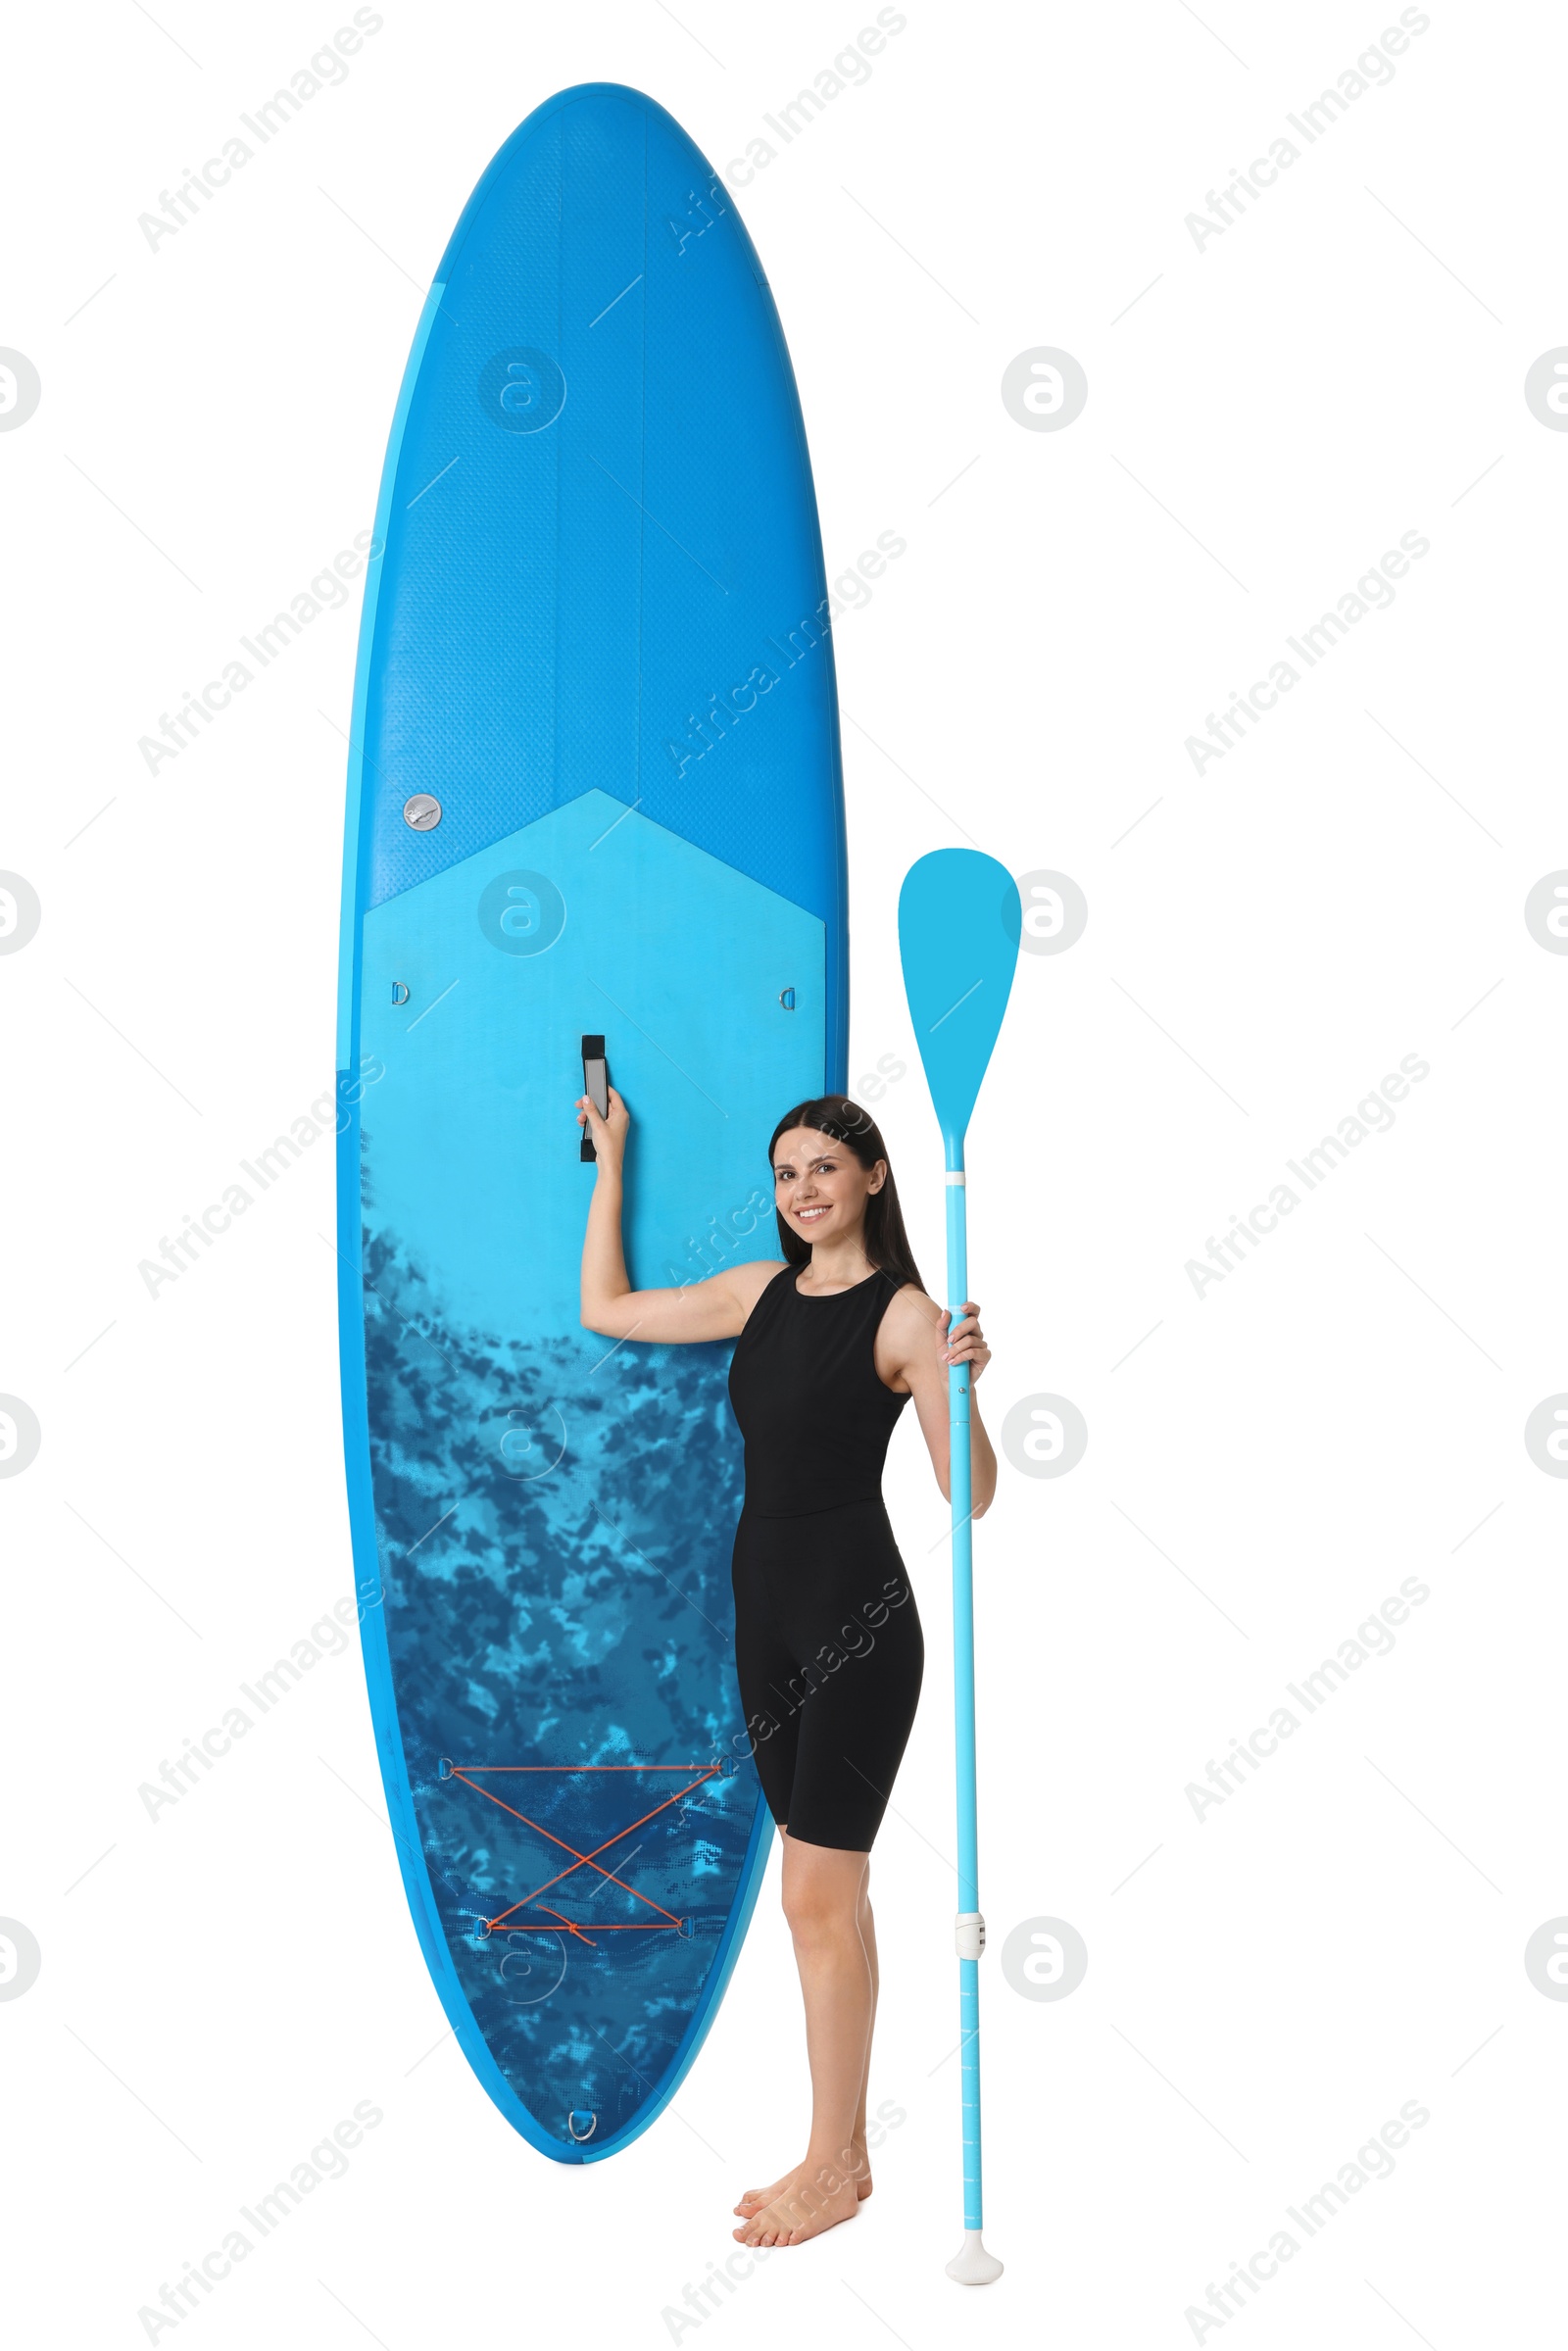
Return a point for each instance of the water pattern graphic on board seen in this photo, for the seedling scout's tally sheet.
(507, 1619)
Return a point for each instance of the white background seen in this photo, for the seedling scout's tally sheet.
(1265, 416)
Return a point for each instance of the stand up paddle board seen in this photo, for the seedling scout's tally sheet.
(594, 793)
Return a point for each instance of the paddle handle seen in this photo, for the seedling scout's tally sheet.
(959, 1487)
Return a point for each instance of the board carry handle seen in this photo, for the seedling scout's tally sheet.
(596, 1085)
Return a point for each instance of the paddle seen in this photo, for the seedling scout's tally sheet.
(959, 925)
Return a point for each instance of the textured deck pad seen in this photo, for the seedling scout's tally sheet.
(595, 635)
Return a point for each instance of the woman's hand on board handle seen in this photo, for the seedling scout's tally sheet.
(607, 1135)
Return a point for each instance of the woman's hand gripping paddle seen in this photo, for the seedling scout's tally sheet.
(959, 924)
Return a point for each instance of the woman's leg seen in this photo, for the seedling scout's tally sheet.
(752, 2198)
(867, 1927)
(823, 1895)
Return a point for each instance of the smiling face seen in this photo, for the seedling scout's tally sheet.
(820, 1187)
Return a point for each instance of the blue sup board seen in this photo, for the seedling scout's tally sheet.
(594, 792)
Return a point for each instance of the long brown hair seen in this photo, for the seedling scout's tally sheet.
(887, 1244)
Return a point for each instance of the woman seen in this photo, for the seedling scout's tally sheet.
(833, 1339)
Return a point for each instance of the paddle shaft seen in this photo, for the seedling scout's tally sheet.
(959, 1487)
(960, 923)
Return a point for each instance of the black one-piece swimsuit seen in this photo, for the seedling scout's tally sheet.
(827, 1636)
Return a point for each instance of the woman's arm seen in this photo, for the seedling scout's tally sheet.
(923, 1348)
(712, 1309)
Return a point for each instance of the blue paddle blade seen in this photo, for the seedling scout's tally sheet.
(958, 925)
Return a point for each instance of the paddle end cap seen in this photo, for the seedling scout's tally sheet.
(972, 2264)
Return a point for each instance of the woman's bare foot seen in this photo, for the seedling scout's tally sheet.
(753, 2198)
(810, 2198)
